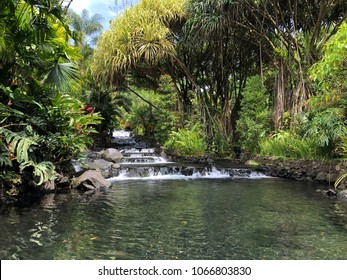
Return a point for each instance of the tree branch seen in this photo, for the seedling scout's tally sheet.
(139, 96)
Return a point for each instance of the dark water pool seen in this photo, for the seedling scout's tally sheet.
(181, 219)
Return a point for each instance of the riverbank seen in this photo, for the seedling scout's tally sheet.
(324, 172)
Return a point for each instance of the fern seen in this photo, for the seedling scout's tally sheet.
(187, 141)
(20, 145)
(44, 170)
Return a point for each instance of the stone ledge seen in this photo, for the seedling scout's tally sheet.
(321, 171)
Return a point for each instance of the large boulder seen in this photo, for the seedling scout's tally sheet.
(112, 155)
(90, 180)
(100, 164)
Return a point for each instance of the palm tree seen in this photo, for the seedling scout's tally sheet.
(86, 30)
(141, 36)
(33, 32)
(220, 57)
(110, 104)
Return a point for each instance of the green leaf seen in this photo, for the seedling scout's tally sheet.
(19, 144)
(65, 76)
(45, 170)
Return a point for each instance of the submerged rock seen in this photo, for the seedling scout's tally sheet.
(90, 180)
(62, 182)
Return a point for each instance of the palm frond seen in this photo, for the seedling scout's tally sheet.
(6, 44)
(141, 34)
(65, 76)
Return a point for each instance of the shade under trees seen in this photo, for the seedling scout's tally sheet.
(210, 48)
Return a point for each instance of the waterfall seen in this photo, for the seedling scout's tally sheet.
(148, 164)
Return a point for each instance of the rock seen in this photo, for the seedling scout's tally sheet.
(252, 163)
(62, 182)
(330, 192)
(321, 176)
(308, 179)
(90, 180)
(99, 154)
(100, 164)
(49, 186)
(115, 166)
(343, 194)
(332, 177)
(112, 155)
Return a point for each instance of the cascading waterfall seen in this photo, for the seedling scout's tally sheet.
(147, 164)
(122, 137)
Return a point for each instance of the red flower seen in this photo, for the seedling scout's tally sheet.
(9, 103)
(88, 109)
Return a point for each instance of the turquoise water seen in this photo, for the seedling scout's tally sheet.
(181, 219)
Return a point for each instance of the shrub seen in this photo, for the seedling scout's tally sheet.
(326, 128)
(187, 141)
(287, 144)
(44, 140)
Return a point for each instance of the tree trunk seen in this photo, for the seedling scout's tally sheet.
(279, 101)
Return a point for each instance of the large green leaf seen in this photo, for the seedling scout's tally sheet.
(45, 170)
(20, 145)
(65, 76)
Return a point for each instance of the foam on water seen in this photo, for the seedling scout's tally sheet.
(121, 134)
(133, 159)
(241, 173)
(147, 164)
(213, 174)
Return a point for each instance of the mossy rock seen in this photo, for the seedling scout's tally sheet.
(252, 163)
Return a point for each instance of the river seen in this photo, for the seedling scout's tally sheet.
(225, 218)
(158, 209)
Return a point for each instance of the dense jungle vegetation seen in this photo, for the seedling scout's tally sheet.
(196, 76)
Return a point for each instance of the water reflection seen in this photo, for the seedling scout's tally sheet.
(196, 219)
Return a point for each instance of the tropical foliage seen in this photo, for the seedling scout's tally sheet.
(188, 141)
(198, 76)
(139, 37)
(43, 125)
(255, 113)
(212, 48)
(85, 30)
(154, 122)
(111, 105)
(287, 144)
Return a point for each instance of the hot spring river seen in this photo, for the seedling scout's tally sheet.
(221, 218)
